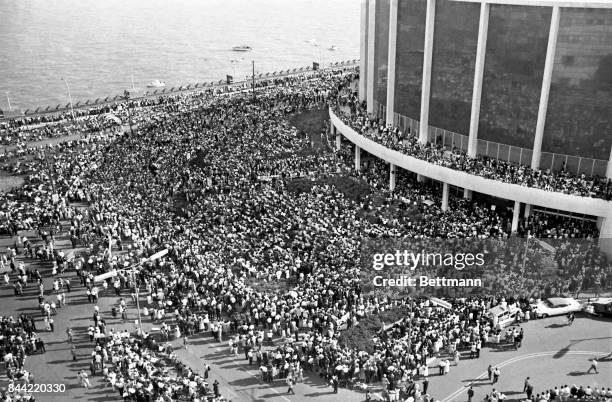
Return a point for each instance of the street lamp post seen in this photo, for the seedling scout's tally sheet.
(137, 289)
(253, 79)
(132, 271)
(8, 99)
(234, 62)
(69, 97)
(126, 97)
(47, 156)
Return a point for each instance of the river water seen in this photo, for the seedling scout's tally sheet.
(100, 46)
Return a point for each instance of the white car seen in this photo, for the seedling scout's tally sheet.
(556, 306)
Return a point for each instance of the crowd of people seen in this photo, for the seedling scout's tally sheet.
(140, 369)
(354, 114)
(18, 339)
(206, 176)
(567, 392)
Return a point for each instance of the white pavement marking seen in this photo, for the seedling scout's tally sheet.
(510, 361)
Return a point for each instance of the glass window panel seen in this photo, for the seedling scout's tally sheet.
(545, 160)
(599, 169)
(572, 164)
(411, 16)
(579, 116)
(452, 72)
(515, 155)
(482, 148)
(493, 149)
(514, 66)
(526, 157)
(381, 51)
(504, 150)
(558, 162)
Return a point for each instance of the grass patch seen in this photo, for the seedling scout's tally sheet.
(179, 204)
(311, 122)
(352, 188)
(200, 160)
(264, 286)
(360, 336)
(9, 182)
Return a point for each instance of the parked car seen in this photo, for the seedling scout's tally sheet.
(601, 306)
(502, 317)
(556, 306)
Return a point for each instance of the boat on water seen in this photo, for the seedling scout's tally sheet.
(156, 84)
(332, 48)
(242, 48)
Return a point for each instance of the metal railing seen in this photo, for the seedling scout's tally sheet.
(406, 124)
(521, 156)
(201, 86)
(447, 138)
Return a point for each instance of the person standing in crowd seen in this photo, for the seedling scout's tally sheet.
(526, 384)
(73, 351)
(593, 366)
(83, 380)
(496, 374)
(290, 384)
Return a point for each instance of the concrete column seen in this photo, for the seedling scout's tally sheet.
(481, 50)
(357, 158)
(609, 169)
(515, 216)
(371, 43)
(363, 51)
(444, 197)
(392, 174)
(527, 211)
(391, 62)
(546, 80)
(605, 234)
(467, 194)
(426, 83)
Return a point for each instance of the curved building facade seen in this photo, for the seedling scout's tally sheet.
(529, 81)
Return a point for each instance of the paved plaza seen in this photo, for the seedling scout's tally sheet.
(552, 354)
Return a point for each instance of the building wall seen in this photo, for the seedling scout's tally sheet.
(453, 60)
(409, 57)
(381, 51)
(579, 118)
(514, 67)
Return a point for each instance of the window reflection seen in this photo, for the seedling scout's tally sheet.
(454, 56)
(381, 51)
(514, 66)
(409, 57)
(579, 117)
